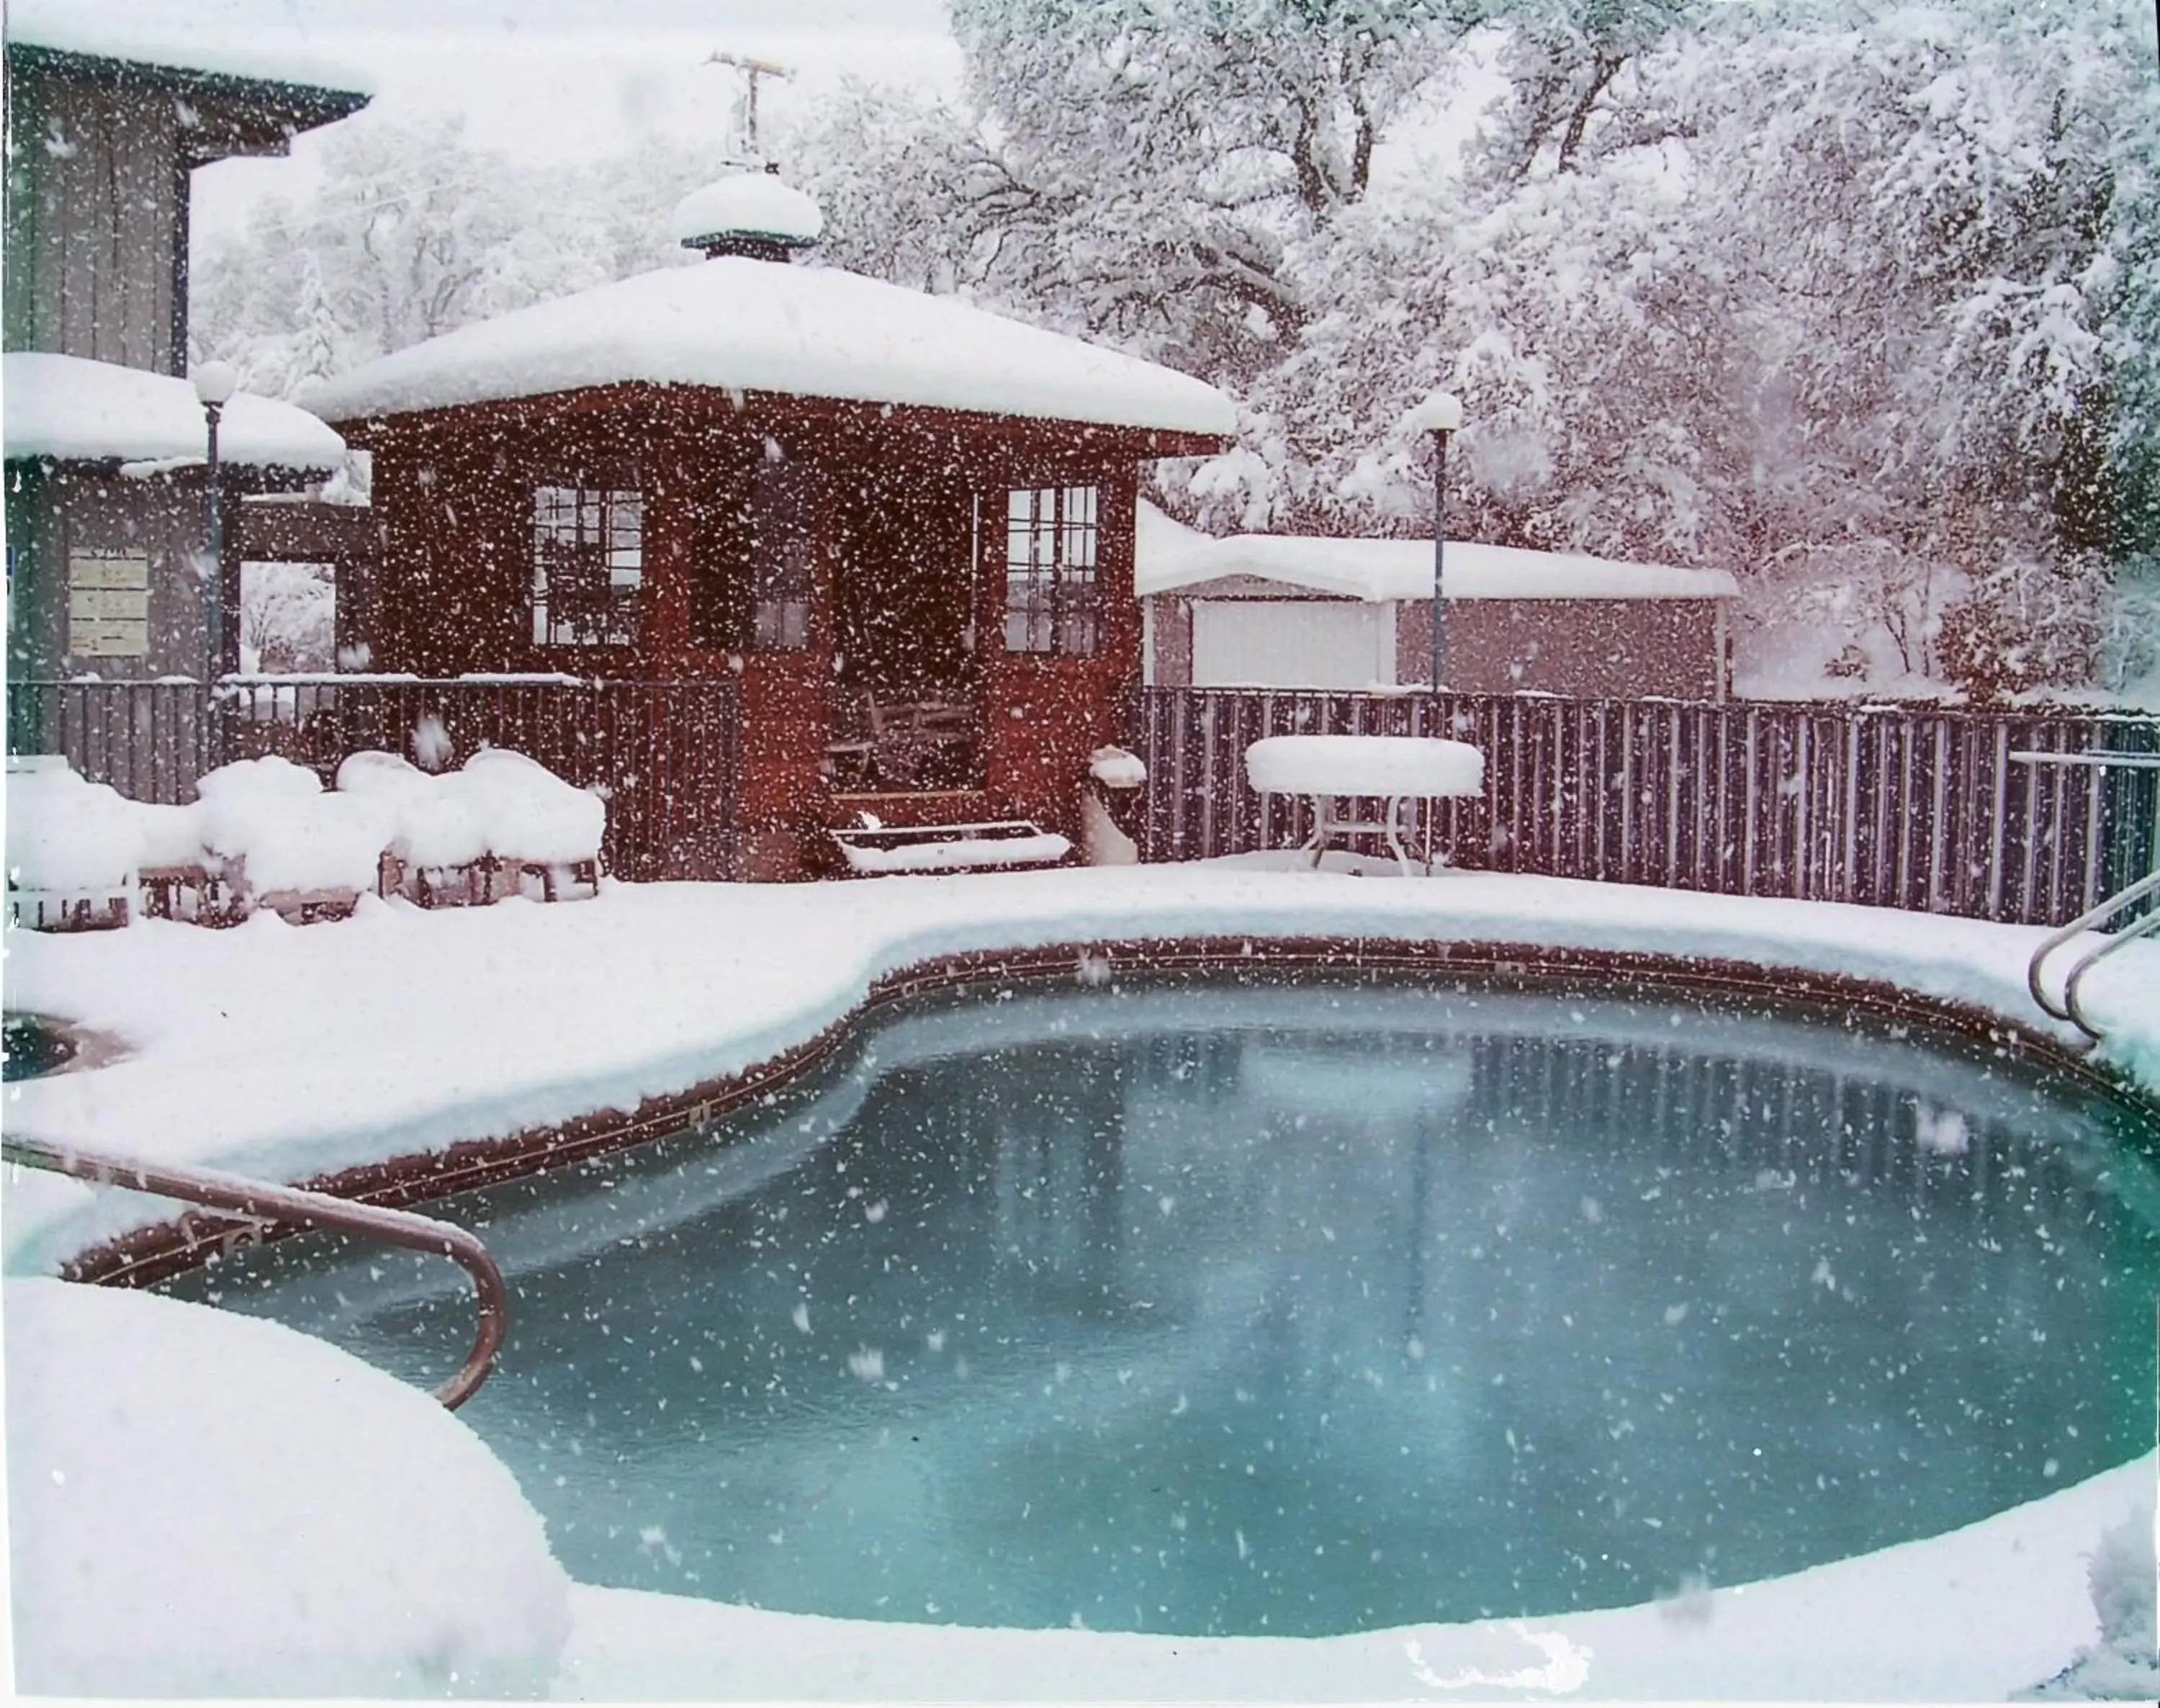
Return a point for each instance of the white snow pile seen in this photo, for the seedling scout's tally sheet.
(1411, 765)
(433, 822)
(1116, 768)
(270, 820)
(747, 204)
(2125, 1664)
(204, 1503)
(1167, 556)
(75, 410)
(745, 326)
(528, 813)
(66, 836)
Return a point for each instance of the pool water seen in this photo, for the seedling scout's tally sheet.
(1200, 1306)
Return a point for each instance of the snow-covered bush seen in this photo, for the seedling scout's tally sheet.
(209, 1504)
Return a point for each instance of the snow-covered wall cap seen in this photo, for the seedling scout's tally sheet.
(802, 331)
(75, 410)
(115, 33)
(1167, 557)
(755, 206)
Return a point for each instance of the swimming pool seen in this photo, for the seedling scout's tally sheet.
(1207, 1305)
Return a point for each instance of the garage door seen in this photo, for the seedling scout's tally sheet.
(1292, 643)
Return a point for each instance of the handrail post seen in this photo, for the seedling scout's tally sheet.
(265, 1201)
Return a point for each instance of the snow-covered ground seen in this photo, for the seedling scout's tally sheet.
(290, 1051)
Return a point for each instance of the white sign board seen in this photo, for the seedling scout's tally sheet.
(108, 604)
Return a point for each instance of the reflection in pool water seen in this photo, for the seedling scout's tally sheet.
(1199, 1307)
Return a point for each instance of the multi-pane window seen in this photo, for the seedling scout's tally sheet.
(587, 565)
(1051, 603)
(783, 532)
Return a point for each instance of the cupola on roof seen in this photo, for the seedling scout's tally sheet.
(748, 213)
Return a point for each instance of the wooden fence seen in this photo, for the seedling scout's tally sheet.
(1892, 805)
(665, 754)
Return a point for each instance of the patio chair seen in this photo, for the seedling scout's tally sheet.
(73, 848)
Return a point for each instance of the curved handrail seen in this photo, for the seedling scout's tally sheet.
(262, 1200)
(2145, 886)
(2129, 934)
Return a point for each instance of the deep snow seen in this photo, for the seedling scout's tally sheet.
(292, 1050)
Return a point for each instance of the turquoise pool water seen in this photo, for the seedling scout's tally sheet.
(1201, 1306)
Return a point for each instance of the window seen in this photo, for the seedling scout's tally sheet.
(587, 565)
(782, 529)
(751, 570)
(1050, 599)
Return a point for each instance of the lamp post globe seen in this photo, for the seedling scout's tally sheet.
(215, 383)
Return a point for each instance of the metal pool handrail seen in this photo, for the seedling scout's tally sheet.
(266, 1202)
(2070, 1009)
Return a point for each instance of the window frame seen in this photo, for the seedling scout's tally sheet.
(1052, 605)
(607, 505)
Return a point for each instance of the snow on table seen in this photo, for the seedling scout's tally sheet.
(272, 817)
(1117, 768)
(204, 1503)
(434, 823)
(529, 813)
(67, 836)
(75, 410)
(1391, 766)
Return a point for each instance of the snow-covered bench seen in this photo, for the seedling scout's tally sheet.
(878, 850)
(1393, 769)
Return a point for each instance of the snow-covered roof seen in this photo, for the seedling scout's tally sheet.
(767, 326)
(76, 410)
(748, 204)
(1168, 556)
(107, 33)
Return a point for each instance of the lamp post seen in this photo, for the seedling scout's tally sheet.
(214, 382)
(1441, 415)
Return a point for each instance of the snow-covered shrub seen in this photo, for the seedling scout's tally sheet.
(210, 1504)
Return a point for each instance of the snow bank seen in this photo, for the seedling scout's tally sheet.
(65, 835)
(748, 204)
(272, 816)
(527, 813)
(75, 410)
(1971, 1616)
(767, 326)
(1413, 766)
(433, 820)
(209, 1504)
(1168, 556)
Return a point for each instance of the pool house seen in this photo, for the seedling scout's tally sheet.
(900, 528)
